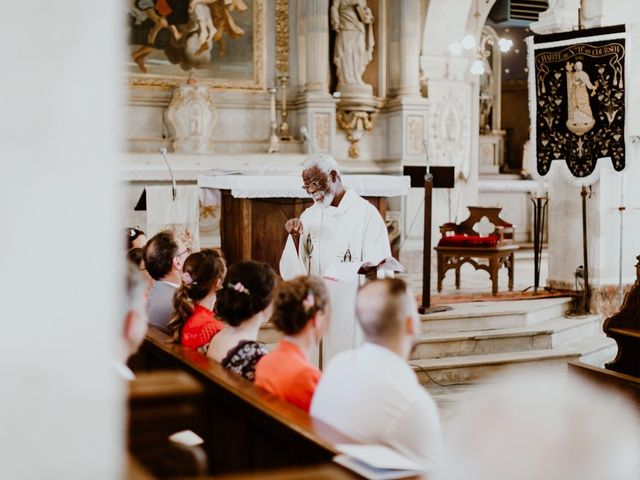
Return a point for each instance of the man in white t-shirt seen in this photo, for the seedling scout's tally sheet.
(371, 394)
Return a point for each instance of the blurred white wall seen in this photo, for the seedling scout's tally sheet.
(61, 409)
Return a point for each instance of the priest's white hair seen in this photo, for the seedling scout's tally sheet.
(323, 162)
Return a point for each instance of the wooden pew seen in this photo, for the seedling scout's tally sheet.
(624, 328)
(160, 404)
(244, 427)
(617, 383)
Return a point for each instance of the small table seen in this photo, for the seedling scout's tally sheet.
(499, 256)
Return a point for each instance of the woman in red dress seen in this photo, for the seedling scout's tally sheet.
(301, 311)
(193, 323)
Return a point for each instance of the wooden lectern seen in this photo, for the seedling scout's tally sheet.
(437, 177)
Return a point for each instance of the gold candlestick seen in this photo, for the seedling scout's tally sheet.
(284, 126)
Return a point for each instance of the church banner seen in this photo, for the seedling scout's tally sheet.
(578, 98)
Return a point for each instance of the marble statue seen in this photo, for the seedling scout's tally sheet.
(353, 22)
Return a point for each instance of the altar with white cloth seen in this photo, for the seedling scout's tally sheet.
(255, 208)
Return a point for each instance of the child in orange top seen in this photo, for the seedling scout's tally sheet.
(193, 323)
(301, 311)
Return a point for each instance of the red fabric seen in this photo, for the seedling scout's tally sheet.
(163, 8)
(200, 328)
(468, 241)
(286, 373)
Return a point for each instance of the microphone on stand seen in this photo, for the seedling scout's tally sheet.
(427, 175)
(305, 134)
(163, 151)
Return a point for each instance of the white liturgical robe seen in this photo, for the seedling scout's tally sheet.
(352, 231)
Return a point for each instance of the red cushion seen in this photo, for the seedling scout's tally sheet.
(468, 241)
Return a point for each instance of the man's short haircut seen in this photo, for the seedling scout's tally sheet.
(158, 254)
(323, 162)
(382, 316)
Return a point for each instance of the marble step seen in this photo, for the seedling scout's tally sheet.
(473, 316)
(458, 370)
(544, 335)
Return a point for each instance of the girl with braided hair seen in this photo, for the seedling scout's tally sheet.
(193, 323)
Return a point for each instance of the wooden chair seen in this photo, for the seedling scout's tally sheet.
(461, 243)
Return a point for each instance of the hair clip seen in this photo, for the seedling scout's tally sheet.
(132, 232)
(239, 287)
(187, 279)
(309, 302)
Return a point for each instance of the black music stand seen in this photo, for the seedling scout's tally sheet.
(438, 177)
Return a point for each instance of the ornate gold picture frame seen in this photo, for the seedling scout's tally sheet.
(218, 42)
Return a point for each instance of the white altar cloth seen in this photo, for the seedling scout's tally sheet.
(281, 186)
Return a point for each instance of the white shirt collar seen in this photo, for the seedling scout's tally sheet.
(386, 355)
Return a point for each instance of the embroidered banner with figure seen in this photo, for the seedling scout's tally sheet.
(578, 98)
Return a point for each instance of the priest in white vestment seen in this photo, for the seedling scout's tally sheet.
(339, 226)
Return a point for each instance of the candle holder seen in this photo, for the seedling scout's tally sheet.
(285, 135)
(274, 141)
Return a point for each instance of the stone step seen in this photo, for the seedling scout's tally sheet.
(544, 335)
(474, 316)
(479, 368)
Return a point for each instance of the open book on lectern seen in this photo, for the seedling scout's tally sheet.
(390, 264)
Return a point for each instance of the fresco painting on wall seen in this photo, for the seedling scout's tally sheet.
(217, 40)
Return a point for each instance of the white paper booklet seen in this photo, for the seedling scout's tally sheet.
(376, 462)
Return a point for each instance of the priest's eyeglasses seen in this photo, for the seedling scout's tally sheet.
(315, 183)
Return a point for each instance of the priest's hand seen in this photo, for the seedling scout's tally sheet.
(294, 227)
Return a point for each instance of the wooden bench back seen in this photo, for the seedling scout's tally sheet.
(476, 214)
(244, 427)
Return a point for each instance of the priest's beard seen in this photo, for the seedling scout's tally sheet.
(325, 199)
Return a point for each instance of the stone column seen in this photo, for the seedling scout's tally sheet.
(316, 107)
(404, 48)
(603, 218)
(407, 110)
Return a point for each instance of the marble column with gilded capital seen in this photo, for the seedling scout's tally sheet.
(315, 106)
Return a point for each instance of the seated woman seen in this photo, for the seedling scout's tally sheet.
(193, 323)
(135, 238)
(301, 311)
(245, 304)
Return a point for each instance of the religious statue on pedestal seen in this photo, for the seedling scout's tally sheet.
(353, 22)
